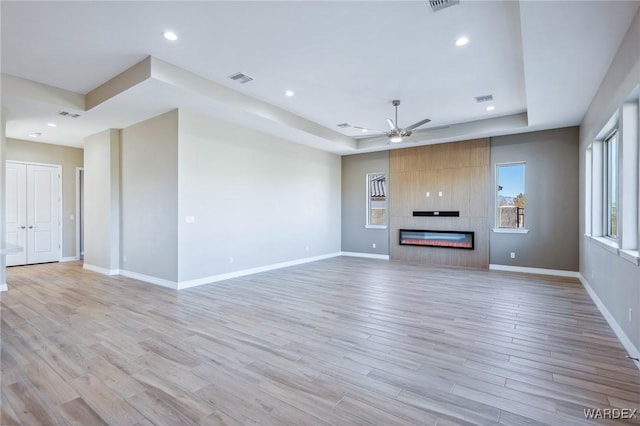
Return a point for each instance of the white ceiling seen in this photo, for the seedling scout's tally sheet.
(345, 61)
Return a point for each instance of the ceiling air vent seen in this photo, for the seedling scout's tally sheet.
(437, 5)
(69, 114)
(484, 98)
(240, 78)
(343, 125)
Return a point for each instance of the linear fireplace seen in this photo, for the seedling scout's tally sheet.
(447, 239)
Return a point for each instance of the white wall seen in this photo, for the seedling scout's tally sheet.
(257, 200)
(3, 224)
(102, 201)
(150, 197)
(615, 281)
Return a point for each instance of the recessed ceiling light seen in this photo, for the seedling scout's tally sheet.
(462, 41)
(364, 130)
(289, 93)
(170, 35)
(35, 134)
(490, 108)
(52, 125)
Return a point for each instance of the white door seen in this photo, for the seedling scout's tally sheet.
(16, 199)
(37, 209)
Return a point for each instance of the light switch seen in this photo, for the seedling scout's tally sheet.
(72, 217)
(190, 219)
(428, 194)
(440, 194)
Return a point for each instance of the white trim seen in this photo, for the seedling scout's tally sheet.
(366, 255)
(241, 273)
(511, 230)
(540, 271)
(149, 279)
(69, 259)
(632, 256)
(78, 169)
(4, 287)
(632, 350)
(376, 226)
(100, 270)
(606, 243)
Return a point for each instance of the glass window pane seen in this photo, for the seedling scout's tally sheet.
(376, 199)
(510, 195)
(612, 185)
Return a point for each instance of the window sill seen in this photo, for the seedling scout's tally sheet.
(607, 244)
(510, 230)
(632, 256)
(376, 226)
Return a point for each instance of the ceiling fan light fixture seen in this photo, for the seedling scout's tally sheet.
(395, 138)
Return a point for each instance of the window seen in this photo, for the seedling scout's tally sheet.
(376, 200)
(611, 185)
(612, 217)
(510, 197)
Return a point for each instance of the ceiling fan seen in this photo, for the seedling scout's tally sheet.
(396, 133)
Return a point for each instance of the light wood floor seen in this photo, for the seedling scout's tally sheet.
(341, 341)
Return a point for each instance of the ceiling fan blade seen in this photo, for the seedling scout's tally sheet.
(418, 124)
(391, 124)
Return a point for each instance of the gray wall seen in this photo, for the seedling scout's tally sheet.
(551, 191)
(69, 158)
(256, 199)
(613, 279)
(355, 237)
(150, 197)
(102, 200)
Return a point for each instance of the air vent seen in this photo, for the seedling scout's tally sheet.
(240, 78)
(69, 114)
(437, 5)
(484, 98)
(343, 125)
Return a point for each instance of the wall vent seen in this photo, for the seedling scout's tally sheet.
(343, 125)
(240, 78)
(437, 5)
(69, 114)
(484, 98)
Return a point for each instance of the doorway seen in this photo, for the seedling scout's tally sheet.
(33, 203)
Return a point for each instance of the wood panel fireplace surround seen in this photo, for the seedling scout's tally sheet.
(441, 187)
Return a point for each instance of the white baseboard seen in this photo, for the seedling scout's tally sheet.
(100, 270)
(540, 271)
(626, 342)
(366, 255)
(4, 287)
(244, 272)
(69, 259)
(149, 279)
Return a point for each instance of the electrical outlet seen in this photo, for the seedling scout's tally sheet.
(307, 248)
(230, 259)
(428, 194)
(124, 258)
(439, 193)
(513, 254)
(373, 245)
(190, 219)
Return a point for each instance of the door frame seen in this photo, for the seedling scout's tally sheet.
(60, 218)
(78, 210)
